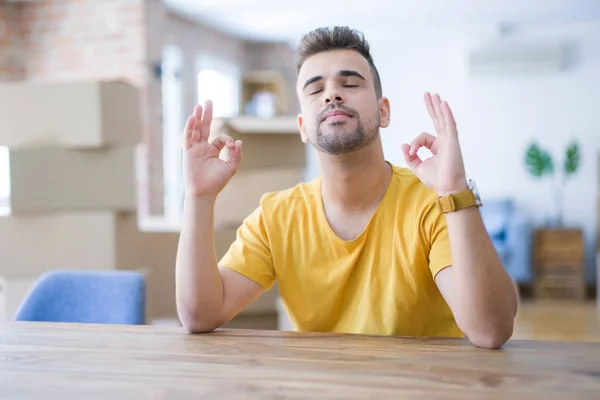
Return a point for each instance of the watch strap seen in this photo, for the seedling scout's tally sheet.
(457, 201)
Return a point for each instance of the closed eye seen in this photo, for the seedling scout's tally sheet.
(320, 90)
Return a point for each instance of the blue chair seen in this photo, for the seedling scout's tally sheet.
(510, 231)
(101, 297)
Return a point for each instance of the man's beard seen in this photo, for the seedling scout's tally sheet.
(341, 141)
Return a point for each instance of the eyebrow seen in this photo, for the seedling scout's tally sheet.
(343, 72)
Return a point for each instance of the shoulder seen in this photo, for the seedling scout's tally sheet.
(418, 203)
(416, 200)
(291, 202)
(411, 189)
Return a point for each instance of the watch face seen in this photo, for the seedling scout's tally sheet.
(473, 187)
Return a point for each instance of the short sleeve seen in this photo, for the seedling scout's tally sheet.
(440, 254)
(250, 255)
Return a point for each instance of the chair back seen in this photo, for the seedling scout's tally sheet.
(102, 297)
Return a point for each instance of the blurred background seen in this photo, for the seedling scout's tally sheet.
(94, 95)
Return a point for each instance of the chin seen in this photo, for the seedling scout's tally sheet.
(338, 126)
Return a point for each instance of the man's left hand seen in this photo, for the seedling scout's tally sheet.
(444, 171)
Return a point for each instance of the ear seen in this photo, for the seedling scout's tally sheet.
(302, 130)
(384, 112)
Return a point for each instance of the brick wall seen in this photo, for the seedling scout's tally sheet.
(10, 66)
(84, 39)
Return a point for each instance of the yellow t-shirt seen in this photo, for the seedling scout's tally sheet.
(380, 283)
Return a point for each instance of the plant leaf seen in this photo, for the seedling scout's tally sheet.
(572, 159)
(538, 161)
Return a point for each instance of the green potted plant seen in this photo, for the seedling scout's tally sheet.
(540, 163)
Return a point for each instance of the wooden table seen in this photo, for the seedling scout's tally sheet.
(64, 361)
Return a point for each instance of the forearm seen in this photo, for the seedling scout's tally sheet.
(484, 294)
(199, 288)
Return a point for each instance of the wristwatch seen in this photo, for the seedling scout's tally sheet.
(457, 201)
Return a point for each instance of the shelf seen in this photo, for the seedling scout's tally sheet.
(266, 80)
(247, 124)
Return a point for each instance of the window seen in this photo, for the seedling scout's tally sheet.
(218, 81)
(173, 121)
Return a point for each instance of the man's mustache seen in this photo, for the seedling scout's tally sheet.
(345, 109)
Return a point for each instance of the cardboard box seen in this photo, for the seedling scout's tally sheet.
(243, 192)
(159, 254)
(272, 151)
(55, 179)
(224, 237)
(158, 251)
(33, 244)
(74, 115)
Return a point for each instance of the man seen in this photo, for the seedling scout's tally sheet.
(367, 247)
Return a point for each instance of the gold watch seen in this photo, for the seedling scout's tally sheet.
(457, 201)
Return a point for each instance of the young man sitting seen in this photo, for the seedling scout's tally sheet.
(368, 247)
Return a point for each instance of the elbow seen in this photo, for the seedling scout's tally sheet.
(193, 323)
(194, 327)
(491, 338)
(488, 332)
(490, 341)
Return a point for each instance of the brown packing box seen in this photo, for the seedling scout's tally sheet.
(159, 252)
(272, 151)
(35, 243)
(267, 143)
(243, 192)
(74, 115)
(224, 237)
(55, 179)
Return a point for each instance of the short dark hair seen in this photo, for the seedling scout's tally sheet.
(337, 38)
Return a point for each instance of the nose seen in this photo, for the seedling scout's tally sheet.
(333, 95)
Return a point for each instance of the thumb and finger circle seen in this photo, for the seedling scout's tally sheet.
(222, 140)
(423, 140)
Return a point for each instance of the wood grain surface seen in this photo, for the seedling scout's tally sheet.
(71, 361)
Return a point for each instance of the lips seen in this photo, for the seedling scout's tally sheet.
(334, 113)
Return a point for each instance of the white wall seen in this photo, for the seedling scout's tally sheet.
(498, 117)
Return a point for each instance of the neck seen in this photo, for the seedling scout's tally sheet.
(355, 182)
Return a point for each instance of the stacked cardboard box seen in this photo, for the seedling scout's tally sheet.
(72, 180)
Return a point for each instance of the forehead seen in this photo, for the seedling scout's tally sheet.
(329, 63)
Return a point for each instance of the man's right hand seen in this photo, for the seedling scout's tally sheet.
(205, 173)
